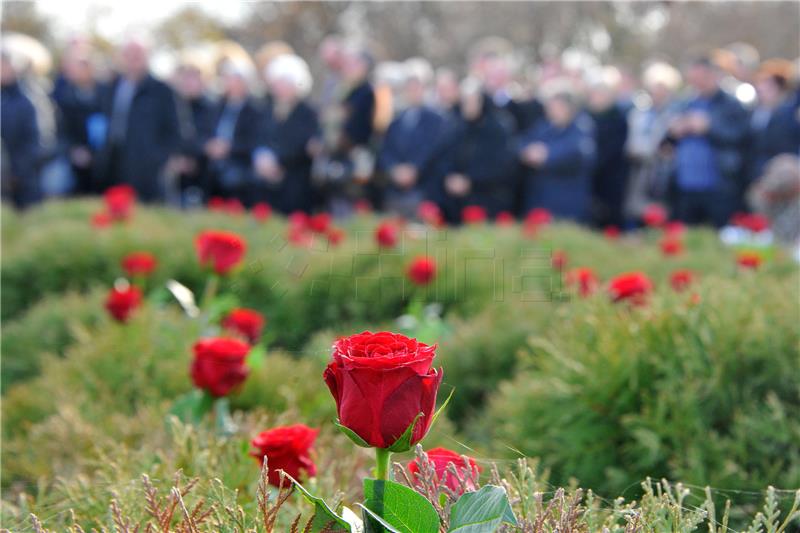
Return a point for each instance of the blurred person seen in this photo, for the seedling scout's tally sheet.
(195, 111)
(447, 91)
(474, 159)
(774, 127)
(234, 134)
(650, 158)
(410, 142)
(283, 159)
(142, 128)
(776, 193)
(610, 175)
(558, 155)
(388, 82)
(19, 133)
(331, 54)
(263, 57)
(739, 63)
(505, 94)
(708, 133)
(81, 123)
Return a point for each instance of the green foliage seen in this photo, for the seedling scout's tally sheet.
(400, 508)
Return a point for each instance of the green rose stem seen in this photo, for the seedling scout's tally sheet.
(211, 289)
(382, 457)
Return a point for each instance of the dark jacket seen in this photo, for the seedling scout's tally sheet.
(480, 150)
(20, 139)
(359, 112)
(562, 184)
(610, 175)
(780, 134)
(288, 139)
(523, 113)
(151, 137)
(412, 143)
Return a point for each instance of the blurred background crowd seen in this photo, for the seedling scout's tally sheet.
(350, 125)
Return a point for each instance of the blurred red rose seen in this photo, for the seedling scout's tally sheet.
(102, 219)
(120, 200)
(671, 246)
(584, 279)
(287, 448)
(441, 458)
(749, 260)
(611, 232)
(383, 383)
(219, 365)
(223, 250)
(262, 211)
(633, 287)
(473, 214)
(681, 279)
(559, 260)
(386, 235)
(139, 264)
(422, 270)
(362, 206)
(121, 301)
(654, 215)
(538, 216)
(216, 203)
(299, 236)
(246, 322)
(754, 222)
(319, 223)
(429, 213)
(335, 236)
(674, 228)
(504, 218)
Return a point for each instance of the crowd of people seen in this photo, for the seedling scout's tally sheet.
(594, 145)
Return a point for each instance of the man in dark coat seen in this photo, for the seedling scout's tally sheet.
(709, 133)
(409, 144)
(559, 155)
(142, 129)
(20, 140)
(610, 176)
(474, 161)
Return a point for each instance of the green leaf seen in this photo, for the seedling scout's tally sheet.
(256, 357)
(396, 508)
(222, 414)
(352, 435)
(192, 406)
(324, 518)
(441, 409)
(482, 511)
(403, 444)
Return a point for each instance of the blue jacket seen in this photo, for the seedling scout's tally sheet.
(562, 184)
(414, 145)
(20, 139)
(360, 109)
(780, 135)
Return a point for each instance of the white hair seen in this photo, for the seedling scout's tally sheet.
(418, 69)
(661, 73)
(293, 69)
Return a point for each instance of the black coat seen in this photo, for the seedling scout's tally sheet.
(151, 137)
(246, 133)
(780, 135)
(610, 176)
(413, 145)
(359, 108)
(20, 138)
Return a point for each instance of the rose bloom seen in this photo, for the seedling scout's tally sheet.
(223, 250)
(671, 246)
(248, 323)
(654, 215)
(120, 200)
(422, 270)
(219, 365)
(299, 236)
(611, 232)
(320, 222)
(139, 264)
(504, 218)
(429, 213)
(362, 206)
(538, 216)
(383, 383)
(335, 236)
(216, 203)
(287, 448)
(473, 214)
(632, 286)
(559, 260)
(584, 279)
(262, 211)
(749, 260)
(754, 222)
(674, 228)
(101, 219)
(441, 458)
(233, 206)
(681, 279)
(386, 235)
(298, 219)
(121, 301)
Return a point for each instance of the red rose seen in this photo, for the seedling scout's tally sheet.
(504, 218)
(422, 270)
(234, 207)
(749, 260)
(120, 200)
(654, 216)
(674, 228)
(611, 232)
(383, 383)
(538, 216)
(335, 236)
(429, 213)
(121, 301)
(441, 459)
(320, 222)
(218, 366)
(286, 448)
(139, 264)
(671, 246)
(754, 222)
(298, 219)
(222, 249)
(262, 212)
(216, 203)
(584, 279)
(681, 279)
(559, 260)
(633, 287)
(246, 322)
(386, 235)
(102, 219)
(362, 206)
(473, 214)
(299, 236)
